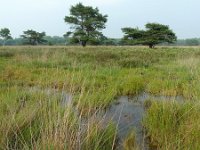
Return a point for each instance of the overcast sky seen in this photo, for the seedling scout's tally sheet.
(48, 15)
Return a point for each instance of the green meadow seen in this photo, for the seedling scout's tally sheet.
(32, 80)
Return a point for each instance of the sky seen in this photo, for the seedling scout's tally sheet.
(48, 15)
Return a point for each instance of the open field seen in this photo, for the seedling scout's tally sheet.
(34, 114)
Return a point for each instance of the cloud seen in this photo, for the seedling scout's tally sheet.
(97, 2)
(30, 4)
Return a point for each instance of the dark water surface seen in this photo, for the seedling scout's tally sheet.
(127, 113)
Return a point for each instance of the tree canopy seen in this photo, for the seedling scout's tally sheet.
(86, 23)
(33, 37)
(5, 35)
(154, 34)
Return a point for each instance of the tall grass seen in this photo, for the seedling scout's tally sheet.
(38, 121)
(95, 76)
(173, 126)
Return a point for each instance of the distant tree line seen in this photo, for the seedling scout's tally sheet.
(86, 25)
(188, 42)
(57, 40)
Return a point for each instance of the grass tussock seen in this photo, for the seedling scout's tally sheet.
(130, 142)
(173, 126)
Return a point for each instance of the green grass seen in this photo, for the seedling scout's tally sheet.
(129, 142)
(95, 76)
(174, 126)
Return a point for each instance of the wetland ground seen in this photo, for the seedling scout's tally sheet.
(117, 98)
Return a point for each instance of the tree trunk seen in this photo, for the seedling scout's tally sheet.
(151, 46)
(4, 42)
(83, 43)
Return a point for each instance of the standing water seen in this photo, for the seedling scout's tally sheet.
(128, 112)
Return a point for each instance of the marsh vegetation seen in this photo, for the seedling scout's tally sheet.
(34, 80)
